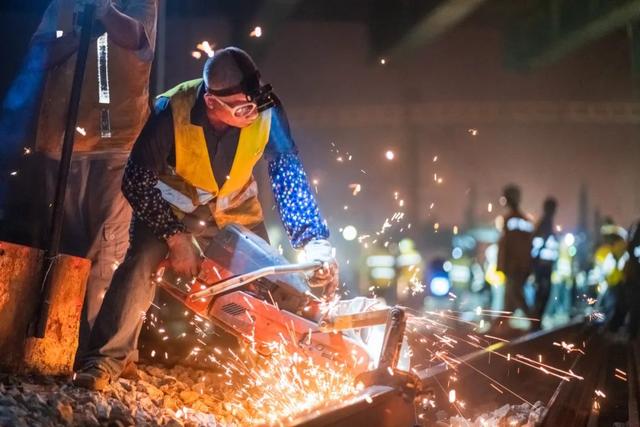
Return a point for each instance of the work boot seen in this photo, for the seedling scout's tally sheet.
(130, 371)
(92, 378)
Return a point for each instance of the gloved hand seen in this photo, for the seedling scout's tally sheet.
(184, 254)
(102, 6)
(326, 277)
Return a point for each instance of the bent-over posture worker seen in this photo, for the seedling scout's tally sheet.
(191, 173)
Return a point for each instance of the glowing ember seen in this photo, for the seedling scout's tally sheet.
(257, 32)
(206, 48)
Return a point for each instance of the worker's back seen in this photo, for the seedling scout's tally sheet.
(514, 251)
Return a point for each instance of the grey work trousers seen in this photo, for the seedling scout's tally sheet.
(96, 225)
(96, 218)
(114, 337)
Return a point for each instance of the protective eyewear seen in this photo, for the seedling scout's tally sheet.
(245, 109)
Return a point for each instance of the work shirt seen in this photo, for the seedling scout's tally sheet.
(114, 99)
(153, 155)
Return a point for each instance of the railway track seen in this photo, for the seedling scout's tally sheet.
(580, 376)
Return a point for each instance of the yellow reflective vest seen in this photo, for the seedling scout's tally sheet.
(192, 182)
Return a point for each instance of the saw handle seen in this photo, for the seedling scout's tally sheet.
(242, 279)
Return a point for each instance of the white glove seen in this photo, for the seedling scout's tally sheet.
(102, 6)
(327, 276)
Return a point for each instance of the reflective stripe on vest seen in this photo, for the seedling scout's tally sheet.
(193, 164)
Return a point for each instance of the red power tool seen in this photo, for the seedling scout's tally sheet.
(246, 287)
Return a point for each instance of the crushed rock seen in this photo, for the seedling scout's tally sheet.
(523, 415)
(179, 396)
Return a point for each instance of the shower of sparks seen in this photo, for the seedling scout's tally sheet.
(283, 385)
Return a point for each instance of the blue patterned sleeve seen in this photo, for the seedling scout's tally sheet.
(294, 198)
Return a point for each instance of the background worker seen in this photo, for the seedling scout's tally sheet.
(114, 106)
(609, 259)
(514, 251)
(191, 173)
(544, 253)
(632, 275)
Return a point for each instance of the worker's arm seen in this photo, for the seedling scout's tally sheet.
(132, 27)
(297, 205)
(294, 198)
(147, 161)
(126, 32)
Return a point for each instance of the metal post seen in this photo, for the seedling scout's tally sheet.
(53, 249)
(161, 49)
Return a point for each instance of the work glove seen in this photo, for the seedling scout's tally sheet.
(102, 6)
(185, 255)
(326, 277)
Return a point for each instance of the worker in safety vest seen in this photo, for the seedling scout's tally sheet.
(191, 173)
(544, 252)
(632, 274)
(514, 251)
(610, 259)
(114, 106)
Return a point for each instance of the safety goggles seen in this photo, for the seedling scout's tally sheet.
(246, 109)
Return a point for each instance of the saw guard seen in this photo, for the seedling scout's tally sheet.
(278, 308)
(261, 323)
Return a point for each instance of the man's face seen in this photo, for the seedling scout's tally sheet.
(233, 110)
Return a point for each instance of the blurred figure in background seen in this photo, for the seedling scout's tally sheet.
(514, 251)
(409, 266)
(544, 254)
(609, 260)
(632, 275)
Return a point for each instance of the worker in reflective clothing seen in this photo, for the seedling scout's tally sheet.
(514, 251)
(409, 266)
(191, 173)
(632, 274)
(379, 274)
(544, 253)
(114, 105)
(609, 261)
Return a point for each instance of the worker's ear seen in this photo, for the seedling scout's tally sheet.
(209, 101)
